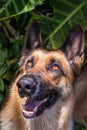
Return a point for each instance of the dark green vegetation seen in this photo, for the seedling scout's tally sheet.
(56, 17)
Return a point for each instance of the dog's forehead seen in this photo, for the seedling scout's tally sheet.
(42, 58)
(46, 54)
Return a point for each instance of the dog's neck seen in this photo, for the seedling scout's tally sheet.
(56, 118)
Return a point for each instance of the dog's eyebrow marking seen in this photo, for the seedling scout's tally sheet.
(56, 62)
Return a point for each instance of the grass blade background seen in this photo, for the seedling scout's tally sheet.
(11, 8)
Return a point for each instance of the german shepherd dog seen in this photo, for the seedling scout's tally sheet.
(42, 96)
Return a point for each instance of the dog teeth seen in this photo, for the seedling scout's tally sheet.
(28, 112)
(35, 109)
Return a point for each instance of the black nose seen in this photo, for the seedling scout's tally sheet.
(26, 86)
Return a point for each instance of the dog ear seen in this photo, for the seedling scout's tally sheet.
(33, 38)
(74, 47)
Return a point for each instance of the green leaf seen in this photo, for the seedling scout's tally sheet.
(71, 14)
(11, 8)
(1, 97)
(7, 76)
(1, 85)
(2, 57)
(65, 14)
(2, 70)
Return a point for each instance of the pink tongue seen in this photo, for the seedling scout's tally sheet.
(30, 104)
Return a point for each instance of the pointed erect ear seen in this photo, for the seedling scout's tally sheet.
(33, 38)
(74, 47)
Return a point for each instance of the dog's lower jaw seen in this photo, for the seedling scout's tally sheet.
(56, 118)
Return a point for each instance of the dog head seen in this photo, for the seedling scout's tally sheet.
(46, 76)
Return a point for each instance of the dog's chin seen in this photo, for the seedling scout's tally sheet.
(33, 108)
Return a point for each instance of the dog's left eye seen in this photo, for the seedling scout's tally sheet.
(54, 68)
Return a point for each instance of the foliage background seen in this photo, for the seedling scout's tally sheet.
(56, 17)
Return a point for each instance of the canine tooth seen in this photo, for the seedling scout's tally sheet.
(35, 109)
(45, 99)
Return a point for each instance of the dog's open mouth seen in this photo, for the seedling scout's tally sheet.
(33, 108)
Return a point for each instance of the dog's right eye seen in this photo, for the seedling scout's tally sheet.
(29, 64)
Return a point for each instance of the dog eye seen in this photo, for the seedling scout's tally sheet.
(29, 64)
(56, 68)
(53, 68)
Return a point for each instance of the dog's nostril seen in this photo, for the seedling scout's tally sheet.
(28, 86)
